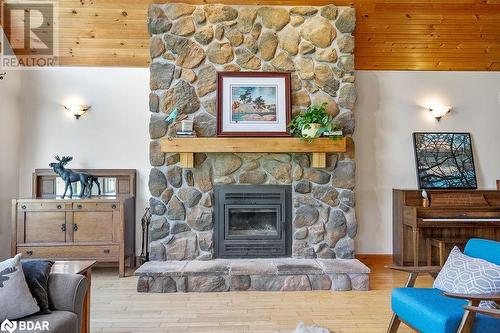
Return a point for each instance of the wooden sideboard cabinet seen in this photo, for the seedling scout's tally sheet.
(100, 229)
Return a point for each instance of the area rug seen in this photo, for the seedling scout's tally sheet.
(302, 328)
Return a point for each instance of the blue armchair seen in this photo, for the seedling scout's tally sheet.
(429, 310)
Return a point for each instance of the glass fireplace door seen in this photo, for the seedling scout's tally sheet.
(253, 222)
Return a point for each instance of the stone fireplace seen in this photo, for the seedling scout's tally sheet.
(189, 44)
(253, 221)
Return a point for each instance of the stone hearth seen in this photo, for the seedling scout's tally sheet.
(281, 274)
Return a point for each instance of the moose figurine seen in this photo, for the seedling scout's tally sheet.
(70, 176)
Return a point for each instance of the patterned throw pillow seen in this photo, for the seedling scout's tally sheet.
(16, 300)
(462, 274)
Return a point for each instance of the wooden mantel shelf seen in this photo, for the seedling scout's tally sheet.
(188, 146)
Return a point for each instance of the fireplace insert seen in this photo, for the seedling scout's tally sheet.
(253, 221)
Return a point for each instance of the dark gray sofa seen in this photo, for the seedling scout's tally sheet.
(66, 294)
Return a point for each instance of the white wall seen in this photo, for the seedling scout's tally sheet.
(114, 133)
(9, 157)
(389, 110)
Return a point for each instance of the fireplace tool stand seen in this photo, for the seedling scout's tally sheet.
(145, 221)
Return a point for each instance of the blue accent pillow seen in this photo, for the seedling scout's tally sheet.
(37, 274)
(462, 274)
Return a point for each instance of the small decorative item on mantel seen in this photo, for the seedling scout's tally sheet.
(313, 123)
(185, 134)
(334, 134)
(172, 121)
(69, 176)
(187, 125)
(186, 130)
(172, 116)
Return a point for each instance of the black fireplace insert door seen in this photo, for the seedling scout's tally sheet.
(252, 221)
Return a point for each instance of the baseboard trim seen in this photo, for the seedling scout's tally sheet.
(381, 259)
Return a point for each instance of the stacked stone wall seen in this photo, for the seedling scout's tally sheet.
(189, 44)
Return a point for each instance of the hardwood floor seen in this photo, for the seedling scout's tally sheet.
(117, 307)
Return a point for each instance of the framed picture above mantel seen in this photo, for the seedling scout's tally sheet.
(253, 104)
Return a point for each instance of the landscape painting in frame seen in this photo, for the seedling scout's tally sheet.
(253, 104)
(444, 161)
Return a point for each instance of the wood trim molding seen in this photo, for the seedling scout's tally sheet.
(375, 257)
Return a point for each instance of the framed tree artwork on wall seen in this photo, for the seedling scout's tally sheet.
(253, 104)
(444, 161)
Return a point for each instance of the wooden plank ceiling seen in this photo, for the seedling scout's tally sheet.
(390, 35)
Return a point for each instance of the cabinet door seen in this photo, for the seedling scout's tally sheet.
(44, 227)
(93, 226)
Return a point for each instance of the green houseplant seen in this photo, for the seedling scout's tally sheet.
(312, 123)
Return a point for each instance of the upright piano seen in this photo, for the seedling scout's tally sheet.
(451, 214)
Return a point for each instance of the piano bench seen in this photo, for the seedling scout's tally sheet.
(444, 246)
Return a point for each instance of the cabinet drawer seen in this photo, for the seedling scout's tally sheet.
(22, 206)
(97, 252)
(96, 206)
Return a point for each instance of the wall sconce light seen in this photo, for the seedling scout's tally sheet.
(77, 110)
(439, 111)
